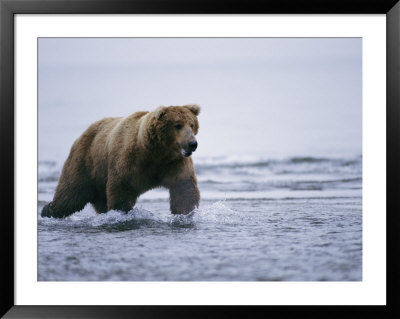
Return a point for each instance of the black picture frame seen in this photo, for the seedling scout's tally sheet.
(8, 8)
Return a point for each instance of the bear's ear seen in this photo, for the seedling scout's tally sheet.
(159, 112)
(194, 108)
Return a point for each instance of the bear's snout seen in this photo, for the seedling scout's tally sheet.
(189, 148)
(192, 146)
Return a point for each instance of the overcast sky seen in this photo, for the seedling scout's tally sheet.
(259, 96)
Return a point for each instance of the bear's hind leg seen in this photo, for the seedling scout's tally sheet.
(68, 200)
(61, 209)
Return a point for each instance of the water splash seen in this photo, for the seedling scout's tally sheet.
(215, 213)
(218, 212)
(88, 218)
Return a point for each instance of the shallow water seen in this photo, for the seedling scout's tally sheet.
(260, 219)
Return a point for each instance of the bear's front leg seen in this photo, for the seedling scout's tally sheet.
(184, 196)
(120, 197)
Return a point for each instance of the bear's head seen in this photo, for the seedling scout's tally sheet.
(177, 127)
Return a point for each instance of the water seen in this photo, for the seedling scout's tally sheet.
(260, 219)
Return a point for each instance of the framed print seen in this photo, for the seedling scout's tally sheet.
(184, 158)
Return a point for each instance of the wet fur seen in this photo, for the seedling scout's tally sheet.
(117, 159)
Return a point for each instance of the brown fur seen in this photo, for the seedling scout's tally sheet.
(117, 159)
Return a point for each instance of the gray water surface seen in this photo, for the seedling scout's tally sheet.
(297, 219)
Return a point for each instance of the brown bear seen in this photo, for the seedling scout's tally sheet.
(117, 159)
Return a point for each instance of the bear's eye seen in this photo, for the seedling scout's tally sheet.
(178, 127)
(192, 126)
